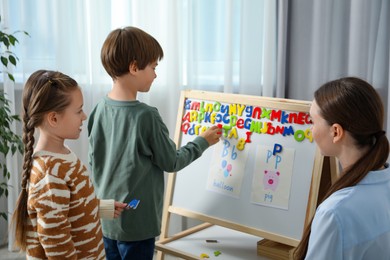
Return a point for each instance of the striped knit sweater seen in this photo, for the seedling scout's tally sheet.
(63, 210)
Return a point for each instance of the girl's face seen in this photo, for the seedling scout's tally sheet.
(71, 119)
(322, 131)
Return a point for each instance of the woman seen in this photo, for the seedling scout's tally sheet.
(353, 221)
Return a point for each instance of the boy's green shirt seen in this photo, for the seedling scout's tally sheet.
(129, 150)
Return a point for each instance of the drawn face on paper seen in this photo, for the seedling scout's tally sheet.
(271, 180)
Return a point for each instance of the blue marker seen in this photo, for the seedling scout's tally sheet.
(134, 203)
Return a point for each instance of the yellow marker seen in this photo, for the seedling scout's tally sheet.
(203, 255)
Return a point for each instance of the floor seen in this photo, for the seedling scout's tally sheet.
(6, 255)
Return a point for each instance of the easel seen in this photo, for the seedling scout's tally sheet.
(265, 247)
(324, 171)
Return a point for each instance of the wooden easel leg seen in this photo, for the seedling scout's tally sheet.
(330, 173)
(274, 250)
(160, 255)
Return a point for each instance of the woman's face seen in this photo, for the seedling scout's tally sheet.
(322, 131)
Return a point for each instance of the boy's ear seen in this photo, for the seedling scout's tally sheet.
(133, 68)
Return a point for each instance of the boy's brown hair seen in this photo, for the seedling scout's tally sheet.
(126, 46)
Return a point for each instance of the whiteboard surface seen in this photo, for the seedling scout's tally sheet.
(191, 193)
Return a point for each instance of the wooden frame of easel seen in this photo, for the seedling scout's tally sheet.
(324, 171)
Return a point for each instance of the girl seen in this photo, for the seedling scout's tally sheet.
(353, 221)
(57, 213)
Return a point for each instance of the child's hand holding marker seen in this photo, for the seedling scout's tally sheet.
(119, 207)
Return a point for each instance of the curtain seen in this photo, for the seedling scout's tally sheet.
(226, 46)
(332, 39)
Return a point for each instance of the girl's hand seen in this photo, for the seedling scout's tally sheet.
(119, 207)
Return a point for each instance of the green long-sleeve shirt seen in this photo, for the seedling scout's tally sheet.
(129, 150)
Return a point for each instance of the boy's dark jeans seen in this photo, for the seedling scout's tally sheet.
(123, 250)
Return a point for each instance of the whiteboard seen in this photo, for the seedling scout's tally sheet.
(261, 186)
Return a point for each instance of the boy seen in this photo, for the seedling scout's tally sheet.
(130, 146)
